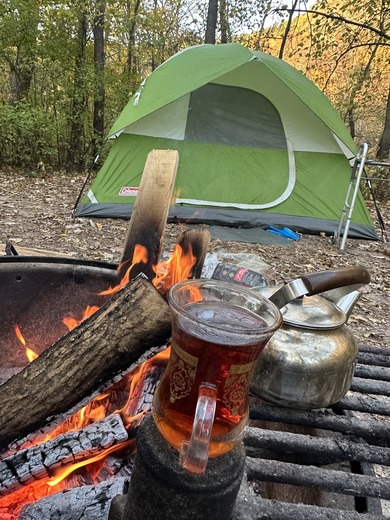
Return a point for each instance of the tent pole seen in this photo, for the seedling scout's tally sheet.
(355, 183)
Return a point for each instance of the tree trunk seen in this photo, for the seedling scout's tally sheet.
(351, 123)
(76, 144)
(224, 21)
(132, 321)
(21, 77)
(99, 61)
(363, 76)
(288, 27)
(211, 24)
(383, 152)
(132, 31)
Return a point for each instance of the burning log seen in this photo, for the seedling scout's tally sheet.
(38, 462)
(186, 261)
(84, 502)
(196, 241)
(133, 320)
(150, 212)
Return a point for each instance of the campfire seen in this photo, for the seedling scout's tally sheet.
(78, 427)
(70, 416)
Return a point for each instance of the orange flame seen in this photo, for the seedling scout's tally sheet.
(140, 255)
(136, 383)
(97, 409)
(31, 355)
(83, 417)
(63, 473)
(71, 322)
(177, 268)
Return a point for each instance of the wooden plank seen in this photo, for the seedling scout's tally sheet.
(197, 241)
(150, 213)
(29, 251)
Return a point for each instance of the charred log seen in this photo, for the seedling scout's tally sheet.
(135, 319)
(198, 241)
(37, 462)
(76, 504)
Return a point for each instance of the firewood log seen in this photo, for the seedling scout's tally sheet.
(132, 321)
(25, 466)
(73, 504)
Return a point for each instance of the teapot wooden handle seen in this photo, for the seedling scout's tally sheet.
(334, 278)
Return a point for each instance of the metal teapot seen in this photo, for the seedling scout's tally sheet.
(310, 361)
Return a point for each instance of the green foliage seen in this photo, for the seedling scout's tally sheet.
(45, 92)
(27, 135)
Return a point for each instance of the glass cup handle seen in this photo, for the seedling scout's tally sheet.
(195, 452)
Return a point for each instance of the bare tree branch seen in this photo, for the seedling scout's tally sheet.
(380, 32)
(349, 49)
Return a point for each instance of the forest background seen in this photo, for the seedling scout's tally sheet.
(67, 68)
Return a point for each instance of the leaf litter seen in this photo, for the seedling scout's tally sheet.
(36, 212)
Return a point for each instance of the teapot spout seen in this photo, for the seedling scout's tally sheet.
(347, 303)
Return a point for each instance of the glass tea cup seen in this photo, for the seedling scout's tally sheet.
(201, 405)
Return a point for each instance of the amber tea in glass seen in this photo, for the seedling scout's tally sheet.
(218, 331)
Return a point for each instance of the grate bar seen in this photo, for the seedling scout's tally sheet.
(369, 358)
(314, 450)
(372, 372)
(375, 432)
(375, 349)
(364, 403)
(362, 385)
(310, 476)
(263, 509)
(291, 458)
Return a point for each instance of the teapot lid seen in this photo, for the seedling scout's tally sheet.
(309, 312)
(313, 312)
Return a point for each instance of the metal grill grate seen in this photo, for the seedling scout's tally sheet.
(331, 450)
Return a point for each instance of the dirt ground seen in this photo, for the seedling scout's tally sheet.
(36, 212)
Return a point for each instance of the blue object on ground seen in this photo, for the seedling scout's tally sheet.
(248, 235)
(285, 232)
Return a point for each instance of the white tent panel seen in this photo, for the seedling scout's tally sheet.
(169, 121)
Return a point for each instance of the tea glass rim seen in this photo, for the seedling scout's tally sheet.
(268, 329)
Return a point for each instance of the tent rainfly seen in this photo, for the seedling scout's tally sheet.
(259, 145)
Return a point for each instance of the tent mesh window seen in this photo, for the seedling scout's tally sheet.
(234, 116)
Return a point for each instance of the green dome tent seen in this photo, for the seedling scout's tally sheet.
(258, 142)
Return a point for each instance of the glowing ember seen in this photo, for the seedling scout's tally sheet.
(140, 255)
(136, 384)
(63, 473)
(31, 355)
(101, 406)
